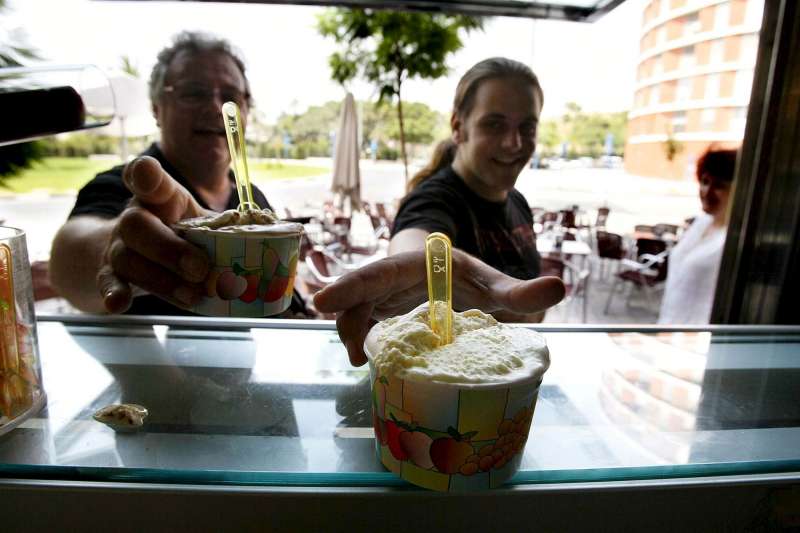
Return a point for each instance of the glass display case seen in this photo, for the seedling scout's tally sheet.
(274, 404)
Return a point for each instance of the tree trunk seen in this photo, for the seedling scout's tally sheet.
(402, 129)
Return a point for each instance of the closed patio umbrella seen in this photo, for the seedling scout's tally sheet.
(346, 173)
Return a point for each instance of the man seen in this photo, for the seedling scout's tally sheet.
(117, 241)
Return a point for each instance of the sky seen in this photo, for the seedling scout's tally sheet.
(592, 64)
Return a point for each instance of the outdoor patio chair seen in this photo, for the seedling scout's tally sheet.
(646, 274)
(567, 218)
(324, 268)
(576, 282)
(643, 228)
(610, 248)
(602, 217)
(650, 246)
(384, 214)
(661, 229)
(381, 229)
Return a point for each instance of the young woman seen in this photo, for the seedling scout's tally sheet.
(467, 191)
(694, 262)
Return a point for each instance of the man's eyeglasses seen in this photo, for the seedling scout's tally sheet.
(194, 94)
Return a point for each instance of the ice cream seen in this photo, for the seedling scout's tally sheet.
(454, 417)
(234, 221)
(483, 350)
(122, 417)
(254, 261)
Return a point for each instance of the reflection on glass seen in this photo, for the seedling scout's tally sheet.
(40, 101)
(653, 389)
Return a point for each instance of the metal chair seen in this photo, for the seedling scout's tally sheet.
(647, 274)
(576, 281)
(602, 217)
(610, 247)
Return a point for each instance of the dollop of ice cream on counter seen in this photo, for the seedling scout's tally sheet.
(122, 417)
(483, 350)
(234, 221)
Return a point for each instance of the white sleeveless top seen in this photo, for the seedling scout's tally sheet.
(692, 273)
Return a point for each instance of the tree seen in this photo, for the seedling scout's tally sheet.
(390, 47)
(672, 146)
(128, 66)
(585, 132)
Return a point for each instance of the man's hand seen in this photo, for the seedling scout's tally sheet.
(397, 284)
(144, 251)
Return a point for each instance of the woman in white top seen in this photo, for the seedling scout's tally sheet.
(694, 261)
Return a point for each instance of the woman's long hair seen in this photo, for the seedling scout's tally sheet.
(495, 67)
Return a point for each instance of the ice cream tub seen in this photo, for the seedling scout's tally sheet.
(253, 262)
(21, 392)
(458, 419)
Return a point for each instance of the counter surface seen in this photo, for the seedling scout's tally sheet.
(277, 403)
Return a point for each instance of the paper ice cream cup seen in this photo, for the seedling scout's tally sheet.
(450, 437)
(252, 272)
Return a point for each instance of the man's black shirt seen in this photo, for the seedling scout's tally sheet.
(107, 196)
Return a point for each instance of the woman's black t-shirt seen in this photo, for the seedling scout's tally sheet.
(498, 233)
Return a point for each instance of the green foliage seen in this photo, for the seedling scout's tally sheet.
(584, 132)
(58, 174)
(420, 121)
(310, 131)
(265, 171)
(388, 47)
(79, 145)
(68, 174)
(15, 158)
(127, 65)
(672, 147)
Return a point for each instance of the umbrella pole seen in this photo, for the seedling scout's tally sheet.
(123, 140)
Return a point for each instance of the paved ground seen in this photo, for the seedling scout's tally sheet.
(632, 200)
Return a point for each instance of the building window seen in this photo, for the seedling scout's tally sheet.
(687, 59)
(661, 34)
(743, 84)
(684, 91)
(657, 65)
(749, 49)
(664, 8)
(739, 120)
(722, 16)
(708, 118)
(754, 12)
(654, 94)
(691, 24)
(679, 122)
(712, 86)
(717, 54)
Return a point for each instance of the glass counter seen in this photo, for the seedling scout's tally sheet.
(276, 403)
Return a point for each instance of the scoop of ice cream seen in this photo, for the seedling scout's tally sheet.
(234, 221)
(483, 350)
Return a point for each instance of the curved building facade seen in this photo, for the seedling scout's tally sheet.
(693, 82)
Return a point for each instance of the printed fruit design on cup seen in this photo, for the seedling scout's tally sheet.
(450, 454)
(270, 283)
(512, 435)
(447, 452)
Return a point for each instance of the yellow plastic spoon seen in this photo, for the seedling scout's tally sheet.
(235, 134)
(439, 261)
